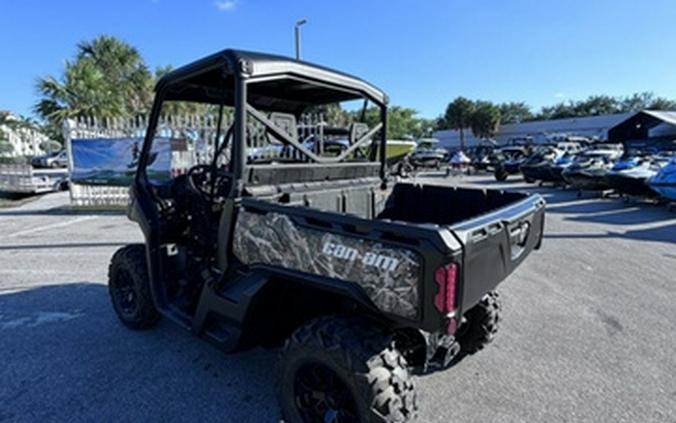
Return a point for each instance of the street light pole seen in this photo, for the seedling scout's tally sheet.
(296, 28)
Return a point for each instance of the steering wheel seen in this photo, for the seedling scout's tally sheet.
(199, 179)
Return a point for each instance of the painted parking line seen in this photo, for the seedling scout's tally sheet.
(51, 226)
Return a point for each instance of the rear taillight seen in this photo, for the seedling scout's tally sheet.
(446, 278)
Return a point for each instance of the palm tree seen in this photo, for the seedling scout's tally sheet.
(123, 66)
(107, 79)
(458, 116)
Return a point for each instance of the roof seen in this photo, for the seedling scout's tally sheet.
(276, 82)
(666, 116)
(638, 125)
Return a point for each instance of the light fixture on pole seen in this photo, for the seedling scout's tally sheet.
(296, 28)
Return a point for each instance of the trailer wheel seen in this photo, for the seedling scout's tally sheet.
(129, 288)
(344, 370)
(481, 324)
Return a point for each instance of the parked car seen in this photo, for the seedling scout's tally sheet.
(52, 160)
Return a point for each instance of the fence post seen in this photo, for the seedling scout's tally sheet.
(69, 126)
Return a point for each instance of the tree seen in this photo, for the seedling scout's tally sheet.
(603, 104)
(425, 127)
(636, 102)
(485, 119)
(596, 105)
(108, 78)
(515, 112)
(402, 122)
(458, 115)
(333, 114)
(124, 69)
(661, 103)
(50, 145)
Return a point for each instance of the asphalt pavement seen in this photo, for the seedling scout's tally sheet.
(588, 331)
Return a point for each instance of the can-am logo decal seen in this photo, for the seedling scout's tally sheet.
(367, 259)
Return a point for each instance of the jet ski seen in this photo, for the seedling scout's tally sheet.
(482, 156)
(664, 182)
(558, 166)
(632, 180)
(536, 167)
(508, 161)
(627, 162)
(460, 160)
(589, 170)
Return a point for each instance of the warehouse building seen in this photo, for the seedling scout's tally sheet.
(646, 129)
(591, 126)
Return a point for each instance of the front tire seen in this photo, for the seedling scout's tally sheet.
(129, 288)
(481, 324)
(344, 370)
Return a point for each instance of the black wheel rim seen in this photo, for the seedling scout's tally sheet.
(321, 396)
(125, 295)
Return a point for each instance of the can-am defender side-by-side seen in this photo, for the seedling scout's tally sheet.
(356, 277)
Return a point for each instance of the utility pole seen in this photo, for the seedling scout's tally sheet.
(296, 28)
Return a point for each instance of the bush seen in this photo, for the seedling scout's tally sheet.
(14, 160)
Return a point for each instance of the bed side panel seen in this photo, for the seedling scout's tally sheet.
(390, 275)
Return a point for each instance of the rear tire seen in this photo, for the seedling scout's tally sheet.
(481, 325)
(369, 378)
(129, 288)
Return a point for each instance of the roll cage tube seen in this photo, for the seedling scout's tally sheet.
(141, 178)
(241, 94)
(242, 110)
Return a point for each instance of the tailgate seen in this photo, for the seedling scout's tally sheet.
(495, 244)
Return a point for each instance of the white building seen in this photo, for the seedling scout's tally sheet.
(25, 141)
(590, 126)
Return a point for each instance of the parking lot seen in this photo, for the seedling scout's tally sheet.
(588, 333)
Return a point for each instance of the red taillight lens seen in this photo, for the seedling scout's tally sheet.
(446, 279)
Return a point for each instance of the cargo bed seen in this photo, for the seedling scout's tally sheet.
(409, 231)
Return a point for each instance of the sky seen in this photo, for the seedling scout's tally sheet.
(423, 53)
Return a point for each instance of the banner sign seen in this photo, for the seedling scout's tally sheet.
(113, 161)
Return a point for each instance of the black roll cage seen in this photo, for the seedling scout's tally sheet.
(239, 69)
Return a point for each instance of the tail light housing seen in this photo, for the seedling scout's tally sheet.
(446, 278)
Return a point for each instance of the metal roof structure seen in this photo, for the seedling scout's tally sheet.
(644, 125)
(274, 82)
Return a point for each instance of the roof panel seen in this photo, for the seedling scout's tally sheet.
(255, 65)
